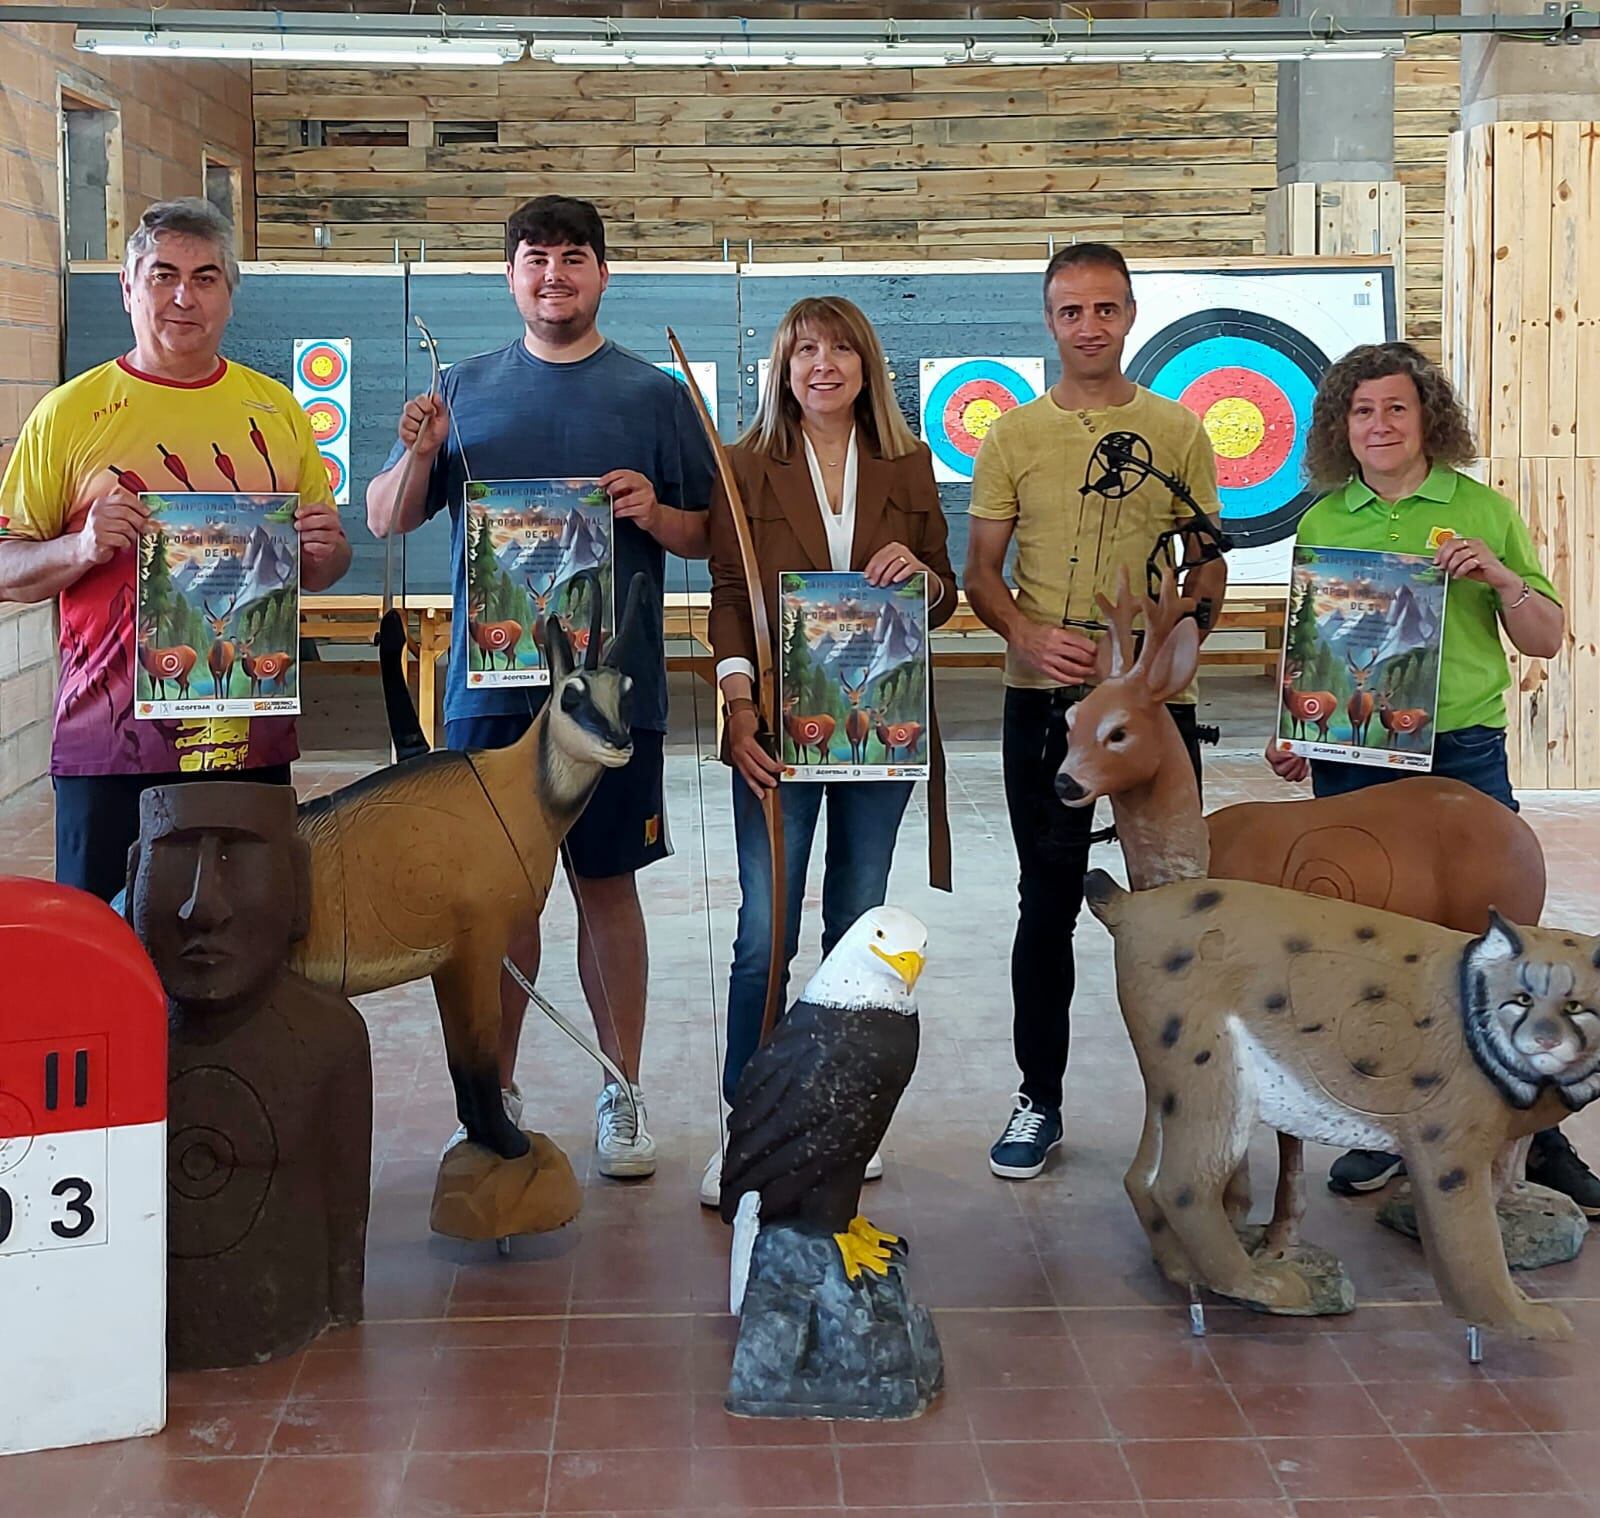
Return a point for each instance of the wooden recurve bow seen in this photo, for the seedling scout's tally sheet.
(766, 684)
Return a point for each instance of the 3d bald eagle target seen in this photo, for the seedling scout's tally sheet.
(815, 1101)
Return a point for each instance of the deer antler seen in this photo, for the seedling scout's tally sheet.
(1119, 615)
(1161, 616)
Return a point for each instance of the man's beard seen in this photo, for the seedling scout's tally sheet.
(572, 328)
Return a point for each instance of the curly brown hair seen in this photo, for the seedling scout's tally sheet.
(1446, 433)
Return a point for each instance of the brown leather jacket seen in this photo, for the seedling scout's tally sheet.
(897, 500)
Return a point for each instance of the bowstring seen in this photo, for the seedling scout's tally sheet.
(705, 871)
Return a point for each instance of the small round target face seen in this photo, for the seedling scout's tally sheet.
(328, 420)
(1252, 381)
(335, 472)
(965, 401)
(220, 1163)
(16, 1132)
(322, 366)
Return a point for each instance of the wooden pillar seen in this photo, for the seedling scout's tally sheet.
(1522, 346)
(1347, 218)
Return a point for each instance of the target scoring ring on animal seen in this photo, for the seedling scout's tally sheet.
(328, 420)
(962, 400)
(322, 366)
(1251, 380)
(220, 1162)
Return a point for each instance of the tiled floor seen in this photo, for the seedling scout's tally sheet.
(585, 1374)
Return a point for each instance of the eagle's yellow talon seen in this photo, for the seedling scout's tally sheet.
(874, 1237)
(861, 1254)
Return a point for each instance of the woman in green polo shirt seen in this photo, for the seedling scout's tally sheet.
(1387, 441)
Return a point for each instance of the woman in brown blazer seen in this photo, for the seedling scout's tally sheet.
(832, 478)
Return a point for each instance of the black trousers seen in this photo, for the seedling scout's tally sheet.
(1053, 854)
(97, 821)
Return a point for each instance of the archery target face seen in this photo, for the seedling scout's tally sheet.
(322, 365)
(961, 400)
(1251, 380)
(322, 387)
(328, 420)
(705, 376)
(1245, 353)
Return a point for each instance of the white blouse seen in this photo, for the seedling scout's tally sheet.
(840, 528)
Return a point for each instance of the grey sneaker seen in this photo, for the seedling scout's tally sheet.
(621, 1140)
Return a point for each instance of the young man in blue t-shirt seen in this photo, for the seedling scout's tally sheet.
(563, 402)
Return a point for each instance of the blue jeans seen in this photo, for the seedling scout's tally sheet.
(1475, 756)
(863, 822)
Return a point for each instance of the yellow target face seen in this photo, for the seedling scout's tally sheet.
(979, 416)
(1235, 427)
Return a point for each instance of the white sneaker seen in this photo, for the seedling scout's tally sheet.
(621, 1140)
(511, 1097)
(711, 1181)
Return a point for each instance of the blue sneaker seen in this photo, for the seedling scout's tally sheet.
(1020, 1152)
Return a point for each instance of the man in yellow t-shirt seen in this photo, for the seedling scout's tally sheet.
(1037, 480)
(171, 415)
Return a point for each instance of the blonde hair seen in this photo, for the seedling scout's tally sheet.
(776, 429)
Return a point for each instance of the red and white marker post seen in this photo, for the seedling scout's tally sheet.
(83, 1186)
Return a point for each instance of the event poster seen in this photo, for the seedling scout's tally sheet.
(532, 547)
(1360, 677)
(218, 607)
(853, 677)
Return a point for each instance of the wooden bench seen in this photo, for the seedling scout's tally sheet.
(962, 643)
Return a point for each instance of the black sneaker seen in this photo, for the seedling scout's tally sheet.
(1553, 1162)
(1020, 1152)
(1363, 1170)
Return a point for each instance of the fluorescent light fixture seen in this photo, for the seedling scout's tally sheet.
(1280, 50)
(276, 47)
(732, 53)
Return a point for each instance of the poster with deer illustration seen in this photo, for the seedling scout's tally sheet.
(1360, 674)
(853, 677)
(531, 547)
(218, 607)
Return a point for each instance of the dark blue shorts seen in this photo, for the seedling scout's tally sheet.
(624, 826)
(97, 821)
(1475, 756)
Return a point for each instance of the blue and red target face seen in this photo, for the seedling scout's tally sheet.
(1252, 381)
(328, 420)
(964, 405)
(322, 366)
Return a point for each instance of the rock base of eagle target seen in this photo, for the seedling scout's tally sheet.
(814, 1344)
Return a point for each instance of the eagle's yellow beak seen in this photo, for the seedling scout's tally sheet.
(907, 964)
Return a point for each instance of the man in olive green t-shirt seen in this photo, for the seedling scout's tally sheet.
(1034, 481)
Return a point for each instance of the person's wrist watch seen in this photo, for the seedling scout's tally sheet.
(733, 704)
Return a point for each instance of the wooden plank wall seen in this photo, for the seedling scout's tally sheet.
(1522, 328)
(812, 163)
(1341, 219)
